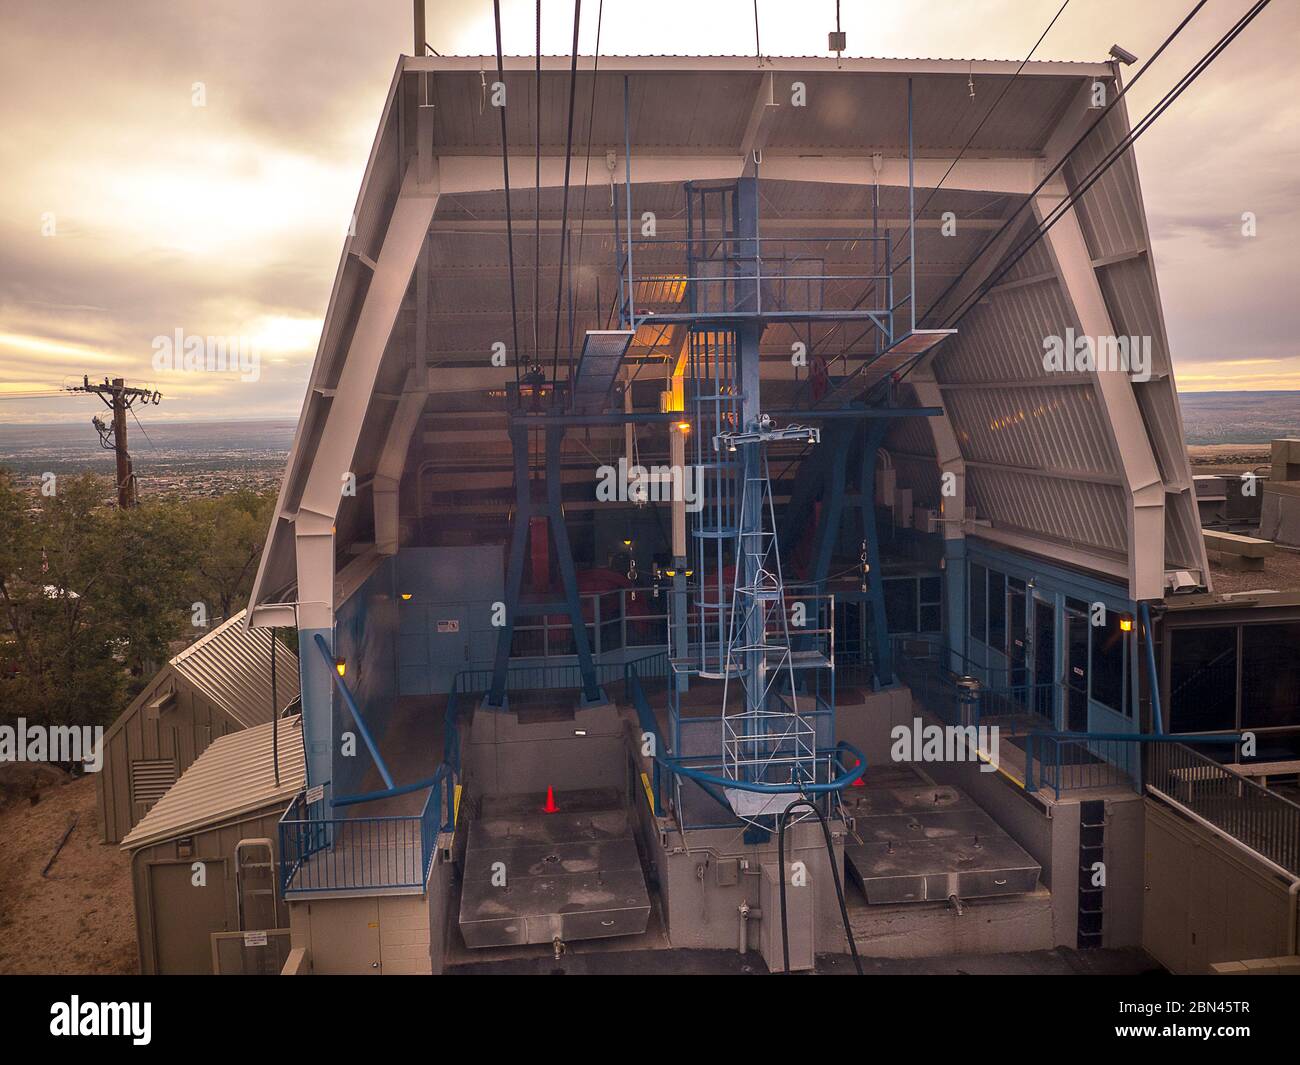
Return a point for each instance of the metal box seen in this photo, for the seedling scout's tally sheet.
(799, 920)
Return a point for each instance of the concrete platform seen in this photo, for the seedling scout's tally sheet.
(534, 877)
(931, 842)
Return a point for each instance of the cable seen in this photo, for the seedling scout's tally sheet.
(510, 231)
(1005, 89)
(537, 194)
(564, 211)
(1120, 148)
(871, 288)
(835, 875)
(586, 185)
(1066, 156)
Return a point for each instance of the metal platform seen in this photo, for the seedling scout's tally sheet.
(929, 843)
(569, 875)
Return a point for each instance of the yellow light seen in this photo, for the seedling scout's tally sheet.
(1125, 624)
(627, 542)
(671, 572)
(683, 427)
(340, 665)
(406, 597)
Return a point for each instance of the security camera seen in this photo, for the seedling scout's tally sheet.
(1123, 55)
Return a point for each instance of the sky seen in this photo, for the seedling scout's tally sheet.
(129, 212)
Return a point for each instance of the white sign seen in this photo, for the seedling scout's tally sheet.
(254, 939)
(450, 625)
(315, 794)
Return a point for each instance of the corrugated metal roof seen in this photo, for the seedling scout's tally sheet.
(234, 776)
(232, 666)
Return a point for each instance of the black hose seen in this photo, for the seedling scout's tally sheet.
(835, 875)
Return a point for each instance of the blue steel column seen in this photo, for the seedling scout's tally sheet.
(514, 564)
(882, 656)
(564, 557)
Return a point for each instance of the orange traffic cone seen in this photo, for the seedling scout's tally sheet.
(550, 807)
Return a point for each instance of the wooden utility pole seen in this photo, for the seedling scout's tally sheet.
(119, 399)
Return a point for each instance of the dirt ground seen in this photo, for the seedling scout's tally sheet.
(79, 919)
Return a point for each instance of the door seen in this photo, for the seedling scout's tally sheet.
(1043, 653)
(1017, 641)
(1076, 671)
(448, 642)
(185, 916)
(345, 936)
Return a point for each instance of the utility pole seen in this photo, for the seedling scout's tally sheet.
(119, 399)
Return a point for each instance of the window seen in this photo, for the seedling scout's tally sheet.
(998, 611)
(1108, 662)
(978, 601)
(1270, 675)
(900, 604)
(1203, 679)
(931, 589)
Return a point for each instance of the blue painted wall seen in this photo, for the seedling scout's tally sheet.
(365, 626)
(454, 585)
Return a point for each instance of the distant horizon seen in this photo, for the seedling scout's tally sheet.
(204, 419)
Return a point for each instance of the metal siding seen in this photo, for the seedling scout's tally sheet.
(233, 777)
(231, 666)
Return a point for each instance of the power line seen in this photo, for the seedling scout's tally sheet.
(1098, 170)
(871, 288)
(1066, 155)
(505, 169)
(564, 212)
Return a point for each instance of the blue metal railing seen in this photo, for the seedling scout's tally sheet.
(711, 783)
(364, 853)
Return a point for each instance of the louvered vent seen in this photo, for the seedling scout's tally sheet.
(150, 779)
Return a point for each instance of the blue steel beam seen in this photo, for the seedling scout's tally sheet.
(355, 711)
(882, 657)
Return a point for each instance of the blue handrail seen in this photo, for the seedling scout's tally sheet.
(709, 781)
(355, 711)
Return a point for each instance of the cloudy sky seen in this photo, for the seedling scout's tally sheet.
(129, 212)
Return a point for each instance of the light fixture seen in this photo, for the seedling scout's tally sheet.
(340, 666)
(1125, 623)
(627, 541)
(406, 597)
(683, 427)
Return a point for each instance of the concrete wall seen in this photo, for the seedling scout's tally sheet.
(1208, 900)
(377, 935)
(504, 757)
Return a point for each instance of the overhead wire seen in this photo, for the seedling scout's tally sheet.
(872, 287)
(564, 210)
(505, 172)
